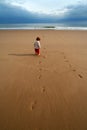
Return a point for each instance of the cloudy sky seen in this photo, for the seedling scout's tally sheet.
(31, 11)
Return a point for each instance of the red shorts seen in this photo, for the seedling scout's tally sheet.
(37, 51)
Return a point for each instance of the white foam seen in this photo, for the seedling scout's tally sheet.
(39, 27)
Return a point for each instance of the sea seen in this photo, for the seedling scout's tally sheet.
(42, 26)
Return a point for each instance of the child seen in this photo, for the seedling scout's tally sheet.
(37, 46)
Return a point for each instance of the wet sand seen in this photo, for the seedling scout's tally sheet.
(46, 92)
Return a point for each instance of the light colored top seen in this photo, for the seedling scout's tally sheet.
(37, 45)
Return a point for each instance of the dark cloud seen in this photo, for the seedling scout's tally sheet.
(75, 15)
(78, 12)
(15, 14)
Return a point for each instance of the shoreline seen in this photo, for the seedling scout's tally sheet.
(46, 29)
(41, 26)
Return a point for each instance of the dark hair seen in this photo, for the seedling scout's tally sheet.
(38, 38)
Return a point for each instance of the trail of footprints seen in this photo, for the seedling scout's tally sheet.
(40, 72)
(70, 66)
(43, 89)
(32, 105)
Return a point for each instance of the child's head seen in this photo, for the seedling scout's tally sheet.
(38, 38)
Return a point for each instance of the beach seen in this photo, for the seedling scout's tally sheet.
(46, 92)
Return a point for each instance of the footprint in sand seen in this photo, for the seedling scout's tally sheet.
(74, 70)
(32, 105)
(64, 57)
(40, 76)
(40, 69)
(80, 75)
(66, 61)
(43, 89)
(70, 65)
